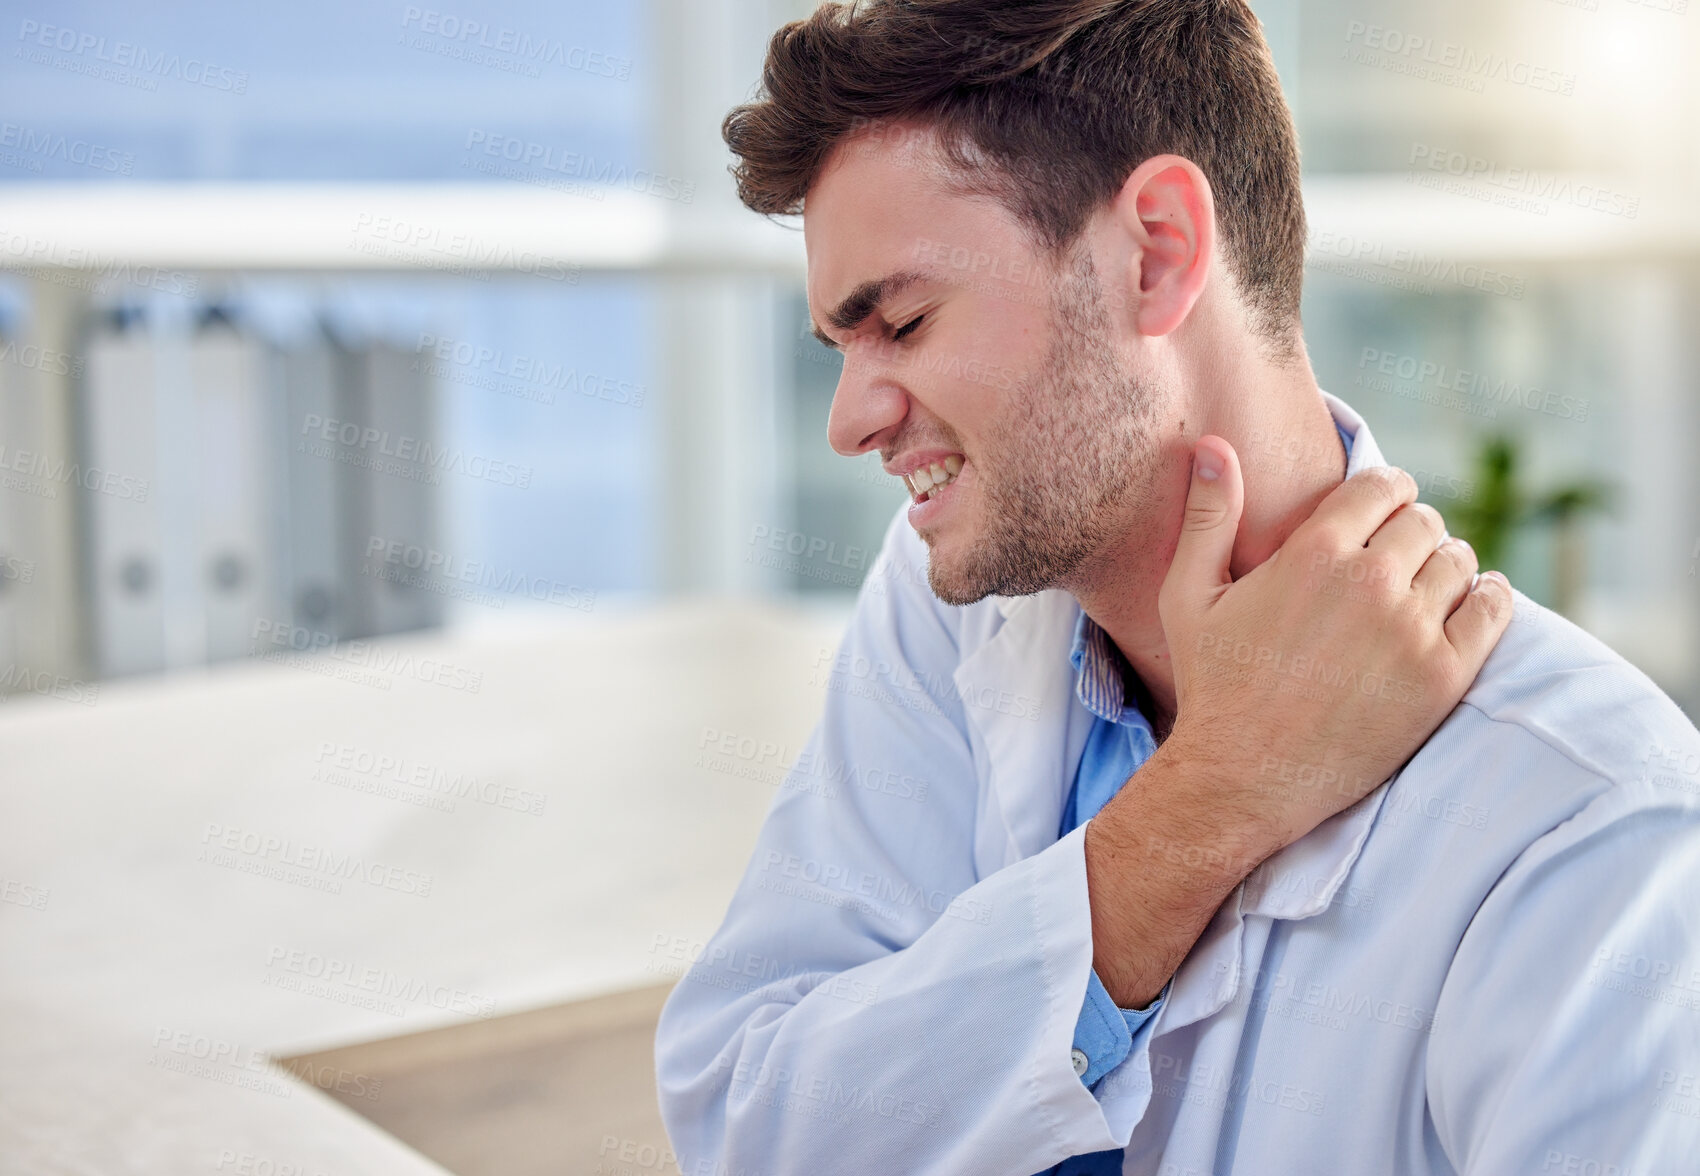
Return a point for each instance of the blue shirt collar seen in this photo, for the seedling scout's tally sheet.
(1099, 682)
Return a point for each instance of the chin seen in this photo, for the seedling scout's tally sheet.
(945, 575)
(953, 591)
(953, 581)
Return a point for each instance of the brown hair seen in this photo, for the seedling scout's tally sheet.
(1063, 99)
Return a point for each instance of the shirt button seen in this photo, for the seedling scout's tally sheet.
(1078, 1057)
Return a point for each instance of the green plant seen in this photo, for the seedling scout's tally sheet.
(1502, 507)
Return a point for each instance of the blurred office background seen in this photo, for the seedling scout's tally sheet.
(326, 323)
(1502, 248)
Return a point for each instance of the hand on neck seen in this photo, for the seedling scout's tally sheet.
(1291, 456)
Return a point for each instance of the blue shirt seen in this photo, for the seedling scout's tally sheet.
(1120, 742)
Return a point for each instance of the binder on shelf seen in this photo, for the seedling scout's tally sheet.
(246, 486)
(15, 564)
(315, 578)
(236, 484)
(393, 478)
(120, 413)
(39, 480)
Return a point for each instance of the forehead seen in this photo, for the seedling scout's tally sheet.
(885, 203)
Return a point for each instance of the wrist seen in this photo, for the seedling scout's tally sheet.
(1199, 809)
(1160, 860)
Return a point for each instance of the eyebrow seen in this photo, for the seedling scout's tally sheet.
(863, 301)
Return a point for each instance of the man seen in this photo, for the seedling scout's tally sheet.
(1111, 875)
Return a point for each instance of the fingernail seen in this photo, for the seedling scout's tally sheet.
(1207, 463)
(1500, 576)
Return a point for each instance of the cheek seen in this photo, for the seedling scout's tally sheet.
(997, 376)
(976, 376)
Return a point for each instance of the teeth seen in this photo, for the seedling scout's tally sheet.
(930, 479)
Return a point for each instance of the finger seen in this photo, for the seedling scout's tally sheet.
(1479, 621)
(1447, 574)
(1357, 507)
(1409, 537)
(1215, 496)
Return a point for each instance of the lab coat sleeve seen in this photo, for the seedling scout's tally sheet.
(1567, 1034)
(868, 1003)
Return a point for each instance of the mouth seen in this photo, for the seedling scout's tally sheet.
(928, 481)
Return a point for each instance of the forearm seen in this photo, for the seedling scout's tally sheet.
(1193, 822)
(923, 1059)
(1160, 860)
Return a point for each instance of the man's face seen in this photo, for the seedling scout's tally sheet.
(967, 349)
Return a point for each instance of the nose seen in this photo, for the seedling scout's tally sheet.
(867, 404)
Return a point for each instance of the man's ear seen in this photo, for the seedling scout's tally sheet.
(1169, 214)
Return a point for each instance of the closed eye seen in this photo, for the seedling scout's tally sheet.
(907, 327)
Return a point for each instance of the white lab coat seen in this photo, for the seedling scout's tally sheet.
(1438, 979)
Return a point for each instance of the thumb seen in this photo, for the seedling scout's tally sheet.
(1214, 499)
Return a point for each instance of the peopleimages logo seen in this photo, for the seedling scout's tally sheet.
(1404, 268)
(360, 769)
(822, 1097)
(443, 572)
(1475, 391)
(1296, 671)
(506, 48)
(18, 679)
(829, 877)
(45, 468)
(79, 268)
(123, 55)
(252, 852)
(1449, 62)
(1532, 186)
(362, 661)
(38, 145)
(382, 984)
(455, 251)
(577, 165)
(41, 359)
(406, 454)
(522, 376)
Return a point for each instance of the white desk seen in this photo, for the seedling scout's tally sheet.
(144, 956)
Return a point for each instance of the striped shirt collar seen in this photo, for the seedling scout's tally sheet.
(1099, 681)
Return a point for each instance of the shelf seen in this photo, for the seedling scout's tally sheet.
(451, 229)
(487, 228)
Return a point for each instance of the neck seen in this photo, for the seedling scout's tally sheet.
(1291, 457)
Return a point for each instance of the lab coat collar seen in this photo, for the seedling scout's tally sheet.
(1302, 879)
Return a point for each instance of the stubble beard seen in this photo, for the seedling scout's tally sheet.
(1056, 482)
